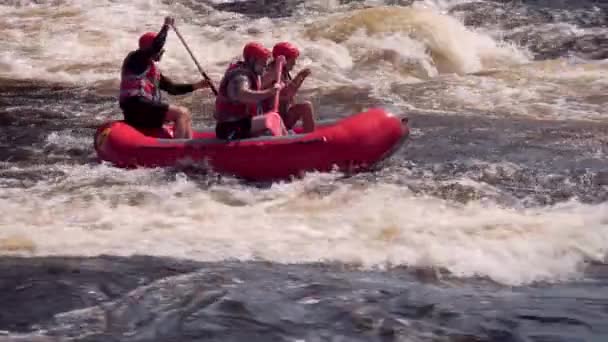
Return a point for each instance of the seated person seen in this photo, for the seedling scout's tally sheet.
(290, 112)
(238, 102)
(142, 81)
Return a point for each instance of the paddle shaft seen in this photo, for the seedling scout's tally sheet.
(278, 67)
(195, 61)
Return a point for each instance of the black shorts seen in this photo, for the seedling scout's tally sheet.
(143, 113)
(240, 129)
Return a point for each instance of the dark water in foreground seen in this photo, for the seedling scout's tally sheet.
(152, 299)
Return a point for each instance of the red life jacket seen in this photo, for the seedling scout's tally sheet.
(145, 84)
(229, 110)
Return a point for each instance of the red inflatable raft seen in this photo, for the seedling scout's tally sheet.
(352, 144)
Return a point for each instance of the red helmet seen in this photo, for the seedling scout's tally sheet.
(146, 40)
(285, 49)
(255, 50)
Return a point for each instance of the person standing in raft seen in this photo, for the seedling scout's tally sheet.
(240, 96)
(290, 112)
(142, 81)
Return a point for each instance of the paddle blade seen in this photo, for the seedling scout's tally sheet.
(274, 123)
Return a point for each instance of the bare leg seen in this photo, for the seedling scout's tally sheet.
(183, 121)
(301, 111)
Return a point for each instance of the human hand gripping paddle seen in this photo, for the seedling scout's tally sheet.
(194, 59)
(273, 119)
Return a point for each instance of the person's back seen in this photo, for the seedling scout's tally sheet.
(139, 75)
(239, 96)
(141, 84)
(228, 107)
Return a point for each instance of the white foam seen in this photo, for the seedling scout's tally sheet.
(541, 90)
(377, 226)
(85, 41)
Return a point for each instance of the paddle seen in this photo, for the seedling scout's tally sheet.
(273, 119)
(278, 69)
(195, 61)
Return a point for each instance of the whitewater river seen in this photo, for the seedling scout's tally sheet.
(490, 224)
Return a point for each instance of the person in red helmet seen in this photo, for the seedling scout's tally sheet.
(240, 95)
(141, 83)
(290, 112)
